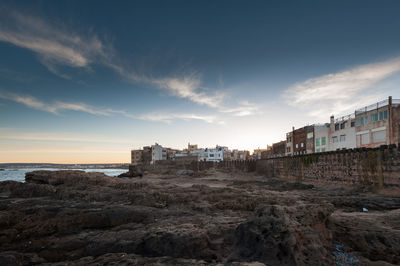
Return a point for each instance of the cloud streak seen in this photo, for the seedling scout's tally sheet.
(343, 91)
(53, 45)
(244, 108)
(58, 46)
(58, 106)
(168, 118)
(61, 47)
(23, 135)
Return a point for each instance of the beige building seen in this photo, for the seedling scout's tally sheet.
(378, 124)
(136, 157)
(257, 153)
(192, 147)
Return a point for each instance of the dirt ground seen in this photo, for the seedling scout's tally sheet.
(213, 217)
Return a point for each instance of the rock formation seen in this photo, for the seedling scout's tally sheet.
(78, 218)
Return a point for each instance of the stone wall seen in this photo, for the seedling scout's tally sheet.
(368, 167)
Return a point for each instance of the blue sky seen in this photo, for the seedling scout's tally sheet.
(85, 81)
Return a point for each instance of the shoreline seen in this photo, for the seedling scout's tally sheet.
(206, 218)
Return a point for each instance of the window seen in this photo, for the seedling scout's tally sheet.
(383, 115)
(342, 138)
(366, 120)
(334, 139)
(352, 124)
(297, 145)
(343, 125)
(323, 141)
(365, 138)
(302, 144)
(211, 155)
(336, 127)
(323, 150)
(317, 142)
(317, 150)
(360, 121)
(379, 136)
(374, 117)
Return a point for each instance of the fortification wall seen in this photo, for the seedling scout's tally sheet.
(369, 167)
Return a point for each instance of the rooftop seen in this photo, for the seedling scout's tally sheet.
(376, 106)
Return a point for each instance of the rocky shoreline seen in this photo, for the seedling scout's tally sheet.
(214, 217)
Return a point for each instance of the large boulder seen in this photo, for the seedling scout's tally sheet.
(279, 235)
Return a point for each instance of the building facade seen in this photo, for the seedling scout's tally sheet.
(158, 153)
(289, 143)
(322, 134)
(136, 157)
(378, 124)
(303, 140)
(213, 155)
(192, 147)
(342, 133)
(279, 149)
(257, 153)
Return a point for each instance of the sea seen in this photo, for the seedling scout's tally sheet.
(19, 173)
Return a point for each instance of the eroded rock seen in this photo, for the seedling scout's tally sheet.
(78, 218)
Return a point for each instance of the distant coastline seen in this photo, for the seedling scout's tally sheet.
(4, 166)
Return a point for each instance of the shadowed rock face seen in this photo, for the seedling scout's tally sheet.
(78, 218)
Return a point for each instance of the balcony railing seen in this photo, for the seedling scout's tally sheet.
(373, 106)
(344, 118)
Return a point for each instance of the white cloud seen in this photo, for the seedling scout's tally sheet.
(55, 46)
(342, 92)
(168, 118)
(57, 106)
(243, 108)
(188, 88)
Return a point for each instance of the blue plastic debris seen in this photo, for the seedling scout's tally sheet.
(342, 258)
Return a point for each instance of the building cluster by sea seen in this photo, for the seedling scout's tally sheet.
(367, 127)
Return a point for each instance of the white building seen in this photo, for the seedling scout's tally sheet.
(214, 155)
(158, 153)
(342, 133)
(338, 134)
(322, 133)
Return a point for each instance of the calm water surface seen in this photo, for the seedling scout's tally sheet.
(19, 174)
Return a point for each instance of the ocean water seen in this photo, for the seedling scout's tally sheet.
(19, 174)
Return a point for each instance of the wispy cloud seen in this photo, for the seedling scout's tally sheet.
(57, 106)
(341, 92)
(244, 108)
(56, 45)
(24, 135)
(188, 88)
(168, 118)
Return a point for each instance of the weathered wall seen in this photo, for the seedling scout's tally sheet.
(369, 167)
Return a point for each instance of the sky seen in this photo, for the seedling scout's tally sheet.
(87, 81)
